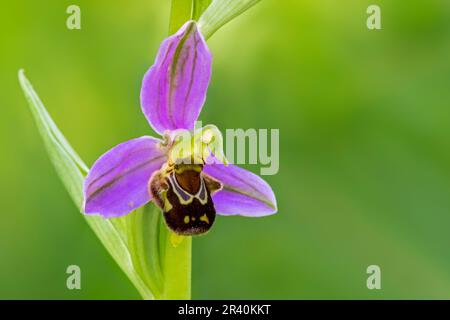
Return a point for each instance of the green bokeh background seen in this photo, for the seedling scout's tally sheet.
(364, 119)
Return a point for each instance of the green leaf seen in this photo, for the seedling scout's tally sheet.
(220, 12)
(139, 242)
(68, 164)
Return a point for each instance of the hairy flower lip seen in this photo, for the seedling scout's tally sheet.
(172, 96)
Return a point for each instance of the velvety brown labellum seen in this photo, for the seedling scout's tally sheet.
(191, 210)
(184, 195)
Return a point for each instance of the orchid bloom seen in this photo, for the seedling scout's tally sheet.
(150, 169)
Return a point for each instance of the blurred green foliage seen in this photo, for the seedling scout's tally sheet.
(365, 145)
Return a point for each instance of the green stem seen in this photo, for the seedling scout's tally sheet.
(177, 267)
(176, 257)
(184, 10)
(161, 258)
(198, 6)
(180, 12)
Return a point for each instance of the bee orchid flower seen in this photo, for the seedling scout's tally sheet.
(187, 186)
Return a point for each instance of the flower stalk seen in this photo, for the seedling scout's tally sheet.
(177, 261)
(177, 266)
(126, 192)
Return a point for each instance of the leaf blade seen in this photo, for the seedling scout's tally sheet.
(221, 12)
(72, 171)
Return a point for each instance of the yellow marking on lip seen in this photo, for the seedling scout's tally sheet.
(186, 219)
(167, 205)
(204, 218)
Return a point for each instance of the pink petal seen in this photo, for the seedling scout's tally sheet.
(244, 193)
(117, 182)
(174, 88)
